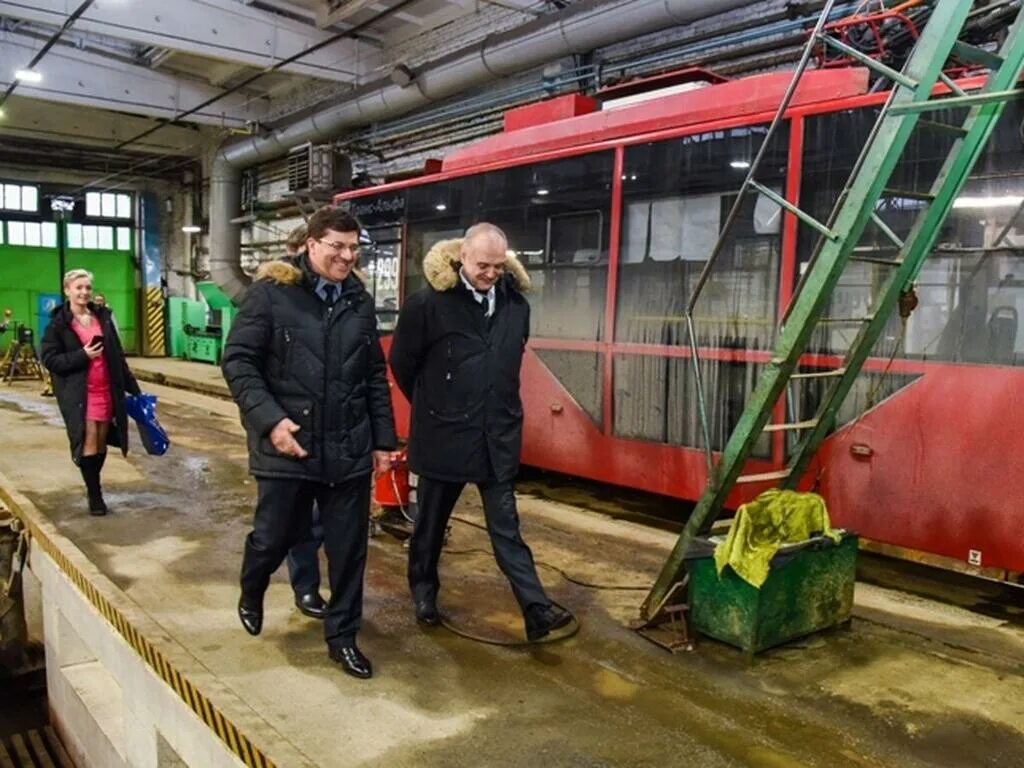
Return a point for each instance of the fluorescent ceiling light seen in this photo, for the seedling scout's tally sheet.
(1005, 201)
(441, 207)
(191, 229)
(28, 76)
(740, 165)
(543, 192)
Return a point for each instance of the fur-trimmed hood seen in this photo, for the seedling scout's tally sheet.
(288, 272)
(441, 267)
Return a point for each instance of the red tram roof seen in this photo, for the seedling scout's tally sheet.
(754, 95)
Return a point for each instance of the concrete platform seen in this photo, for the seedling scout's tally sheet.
(913, 682)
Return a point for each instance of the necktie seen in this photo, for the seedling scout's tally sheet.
(330, 294)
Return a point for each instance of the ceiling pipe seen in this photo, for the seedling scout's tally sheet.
(579, 29)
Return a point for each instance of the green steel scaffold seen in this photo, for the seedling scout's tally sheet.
(912, 95)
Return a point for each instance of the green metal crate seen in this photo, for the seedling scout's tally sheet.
(809, 588)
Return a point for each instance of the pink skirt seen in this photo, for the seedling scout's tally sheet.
(99, 406)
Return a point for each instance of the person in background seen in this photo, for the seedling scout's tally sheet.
(305, 366)
(456, 355)
(101, 301)
(83, 353)
(303, 563)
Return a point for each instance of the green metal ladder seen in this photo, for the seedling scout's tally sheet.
(910, 97)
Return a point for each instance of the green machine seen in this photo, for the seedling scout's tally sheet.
(198, 329)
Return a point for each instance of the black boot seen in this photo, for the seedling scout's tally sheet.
(90, 466)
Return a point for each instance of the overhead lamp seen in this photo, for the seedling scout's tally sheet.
(28, 76)
(740, 165)
(441, 207)
(192, 229)
(1004, 201)
(543, 192)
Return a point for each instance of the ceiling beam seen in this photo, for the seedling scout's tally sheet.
(222, 29)
(330, 15)
(336, 13)
(75, 124)
(71, 76)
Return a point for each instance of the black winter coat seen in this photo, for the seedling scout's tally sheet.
(288, 356)
(460, 372)
(66, 359)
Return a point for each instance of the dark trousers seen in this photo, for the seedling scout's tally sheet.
(436, 500)
(303, 563)
(284, 510)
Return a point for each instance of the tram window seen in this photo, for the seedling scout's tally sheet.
(676, 196)
(656, 399)
(971, 288)
(379, 258)
(575, 238)
(557, 218)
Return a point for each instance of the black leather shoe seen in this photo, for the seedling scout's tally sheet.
(351, 659)
(311, 605)
(542, 620)
(251, 613)
(426, 613)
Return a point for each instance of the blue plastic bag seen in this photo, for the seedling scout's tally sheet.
(142, 408)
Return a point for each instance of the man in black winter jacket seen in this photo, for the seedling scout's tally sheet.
(306, 369)
(456, 355)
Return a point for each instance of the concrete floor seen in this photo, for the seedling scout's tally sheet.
(913, 682)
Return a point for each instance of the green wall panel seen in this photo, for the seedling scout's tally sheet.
(26, 272)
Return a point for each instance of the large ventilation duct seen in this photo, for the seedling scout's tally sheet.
(579, 29)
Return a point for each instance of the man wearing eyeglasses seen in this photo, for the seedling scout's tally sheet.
(306, 369)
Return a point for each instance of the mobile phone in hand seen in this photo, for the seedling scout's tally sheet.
(97, 341)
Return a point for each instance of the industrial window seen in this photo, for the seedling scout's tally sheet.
(16, 232)
(33, 233)
(49, 234)
(19, 197)
(98, 238)
(108, 205)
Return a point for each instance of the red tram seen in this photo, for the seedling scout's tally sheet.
(614, 210)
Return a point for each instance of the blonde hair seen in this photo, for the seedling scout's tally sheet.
(74, 274)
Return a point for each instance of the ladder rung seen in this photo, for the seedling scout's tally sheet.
(937, 125)
(806, 218)
(886, 230)
(954, 102)
(795, 425)
(867, 61)
(819, 374)
(972, 54)
(909, 194)
(947, 81)
(877, 260)
(780, 474)
(847, 320)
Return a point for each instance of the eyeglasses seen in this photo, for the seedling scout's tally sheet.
(353, 249)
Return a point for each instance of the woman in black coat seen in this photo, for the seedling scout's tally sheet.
(83, 353)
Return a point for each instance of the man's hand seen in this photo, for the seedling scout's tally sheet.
(281, 437)
(381, 462)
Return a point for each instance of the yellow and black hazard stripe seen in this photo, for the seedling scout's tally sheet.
(194, 699)
(153, 324)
